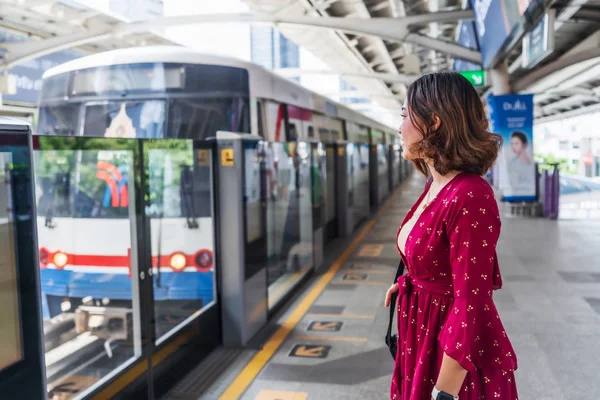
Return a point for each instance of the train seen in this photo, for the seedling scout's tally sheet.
(127, 125)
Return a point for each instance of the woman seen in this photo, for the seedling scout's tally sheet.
(451, 341)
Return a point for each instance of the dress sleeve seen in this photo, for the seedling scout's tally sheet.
(473, 333)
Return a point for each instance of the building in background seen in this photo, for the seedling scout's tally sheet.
(272, 50)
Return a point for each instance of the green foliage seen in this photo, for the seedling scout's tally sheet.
(563, 164)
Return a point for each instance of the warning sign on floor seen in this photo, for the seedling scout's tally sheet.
(310, 351)
(329, 326)
(354, 276)
(371, 250)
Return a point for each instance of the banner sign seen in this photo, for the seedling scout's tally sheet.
(494, 22)
(466, 38)
(539, 43)
(512, 118)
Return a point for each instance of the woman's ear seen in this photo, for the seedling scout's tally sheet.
(437, 122)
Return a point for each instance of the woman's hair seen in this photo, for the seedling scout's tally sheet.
(462, 141)
(521, 136)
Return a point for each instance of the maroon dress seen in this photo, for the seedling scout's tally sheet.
(445, 300)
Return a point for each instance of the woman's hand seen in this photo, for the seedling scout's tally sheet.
(388, 296)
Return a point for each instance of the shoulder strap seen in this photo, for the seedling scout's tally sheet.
(399, 273)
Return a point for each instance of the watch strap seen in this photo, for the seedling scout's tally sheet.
(445, 396)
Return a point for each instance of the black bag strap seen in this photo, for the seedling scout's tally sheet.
(399, 273)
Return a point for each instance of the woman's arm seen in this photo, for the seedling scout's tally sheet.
(451, 376)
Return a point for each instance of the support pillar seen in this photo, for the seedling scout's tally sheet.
(500, 79)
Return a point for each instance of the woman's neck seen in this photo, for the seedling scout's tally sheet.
(439, 179)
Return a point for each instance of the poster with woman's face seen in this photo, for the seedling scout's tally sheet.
(512, 117)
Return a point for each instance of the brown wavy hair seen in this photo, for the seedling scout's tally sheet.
(462, 141)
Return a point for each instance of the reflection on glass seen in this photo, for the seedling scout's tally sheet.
(361, 204)
(179, 205)
(382, 171)
(83, 204)
(10, 324)
(329, 193)
(289, 246)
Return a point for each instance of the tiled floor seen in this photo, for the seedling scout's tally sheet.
(550, 306)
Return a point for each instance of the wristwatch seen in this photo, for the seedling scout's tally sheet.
(440, 395)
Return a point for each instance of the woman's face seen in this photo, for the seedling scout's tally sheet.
(409, 134)
(517, 146)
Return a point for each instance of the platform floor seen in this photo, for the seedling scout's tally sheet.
(329, 343)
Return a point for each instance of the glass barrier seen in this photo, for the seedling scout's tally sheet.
(179, 181)
(11, 346)
(383, 179)
(84, 190)
(361, 206)
(288, 243)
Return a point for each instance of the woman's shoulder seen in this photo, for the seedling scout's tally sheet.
(470, 181)
(472, 189)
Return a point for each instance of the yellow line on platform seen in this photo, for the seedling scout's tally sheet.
(332, 338)
(360, 283)
(341, 316)
(369, 271)
(260, 359)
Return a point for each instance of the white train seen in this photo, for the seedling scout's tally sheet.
(94, 111)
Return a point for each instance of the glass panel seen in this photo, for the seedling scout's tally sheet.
(361, 204)
(11, 349)
(329, 193)
(285, 251)
(302, 254)
(383, 171)
(179, 205)
(85, 200)
(256, 178)
(58, 120)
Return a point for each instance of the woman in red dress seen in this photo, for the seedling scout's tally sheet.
(451, 342)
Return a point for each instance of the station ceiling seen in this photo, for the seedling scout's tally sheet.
(566, 83)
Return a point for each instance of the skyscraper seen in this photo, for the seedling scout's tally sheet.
(272, 50)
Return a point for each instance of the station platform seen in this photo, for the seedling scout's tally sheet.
(329, 341)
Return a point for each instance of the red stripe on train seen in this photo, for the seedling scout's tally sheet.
(122, 261)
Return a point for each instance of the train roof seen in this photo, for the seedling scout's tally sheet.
(263, 83)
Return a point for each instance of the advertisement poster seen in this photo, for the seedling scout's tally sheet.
(512, 117)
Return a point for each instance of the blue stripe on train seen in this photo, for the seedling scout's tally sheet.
(173, 286)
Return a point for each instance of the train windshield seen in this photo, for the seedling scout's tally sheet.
(146, 101)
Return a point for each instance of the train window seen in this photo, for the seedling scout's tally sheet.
(260, 119)
(125, 119)
(202, 118)
(127, 78)
(55, 86)
(58, 120)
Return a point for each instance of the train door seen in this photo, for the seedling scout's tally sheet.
(21, 351)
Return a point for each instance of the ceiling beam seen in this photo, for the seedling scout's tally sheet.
(383, 76)
(386, 28)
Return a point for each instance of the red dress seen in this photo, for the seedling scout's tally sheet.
(445, 300)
